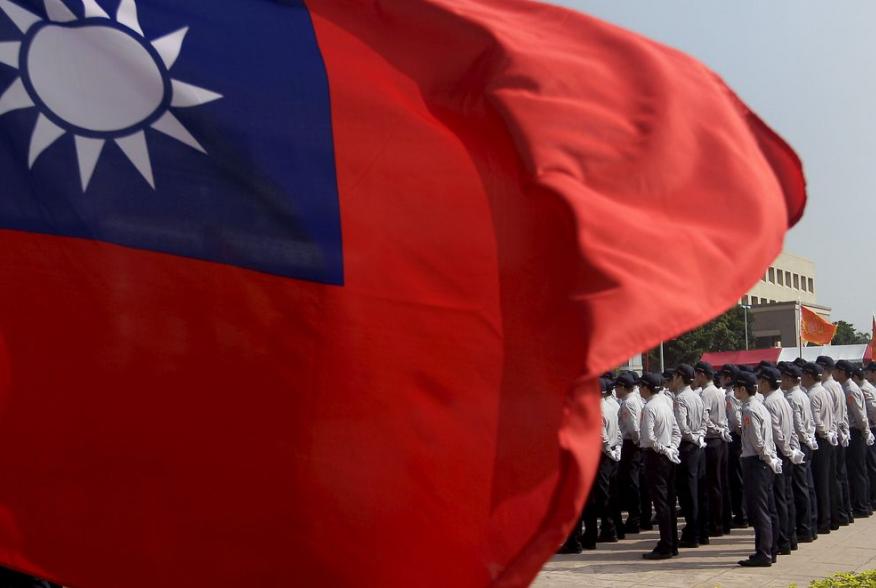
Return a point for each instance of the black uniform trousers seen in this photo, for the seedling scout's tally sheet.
(821, 474)
(856, 464)
(716, 468)
(760, 505)
(612, 520)
(841, 512)
(596, 505)
(871, 470)
(736, 503)
(784, 505)
(661, 488)
(800, 476)
(689, 475)
(629, 476)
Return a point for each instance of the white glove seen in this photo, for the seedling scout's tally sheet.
(776, 465)
(797, 457)
(832, 438)
(725, 435)
(844, 440)
(615, 454)
(672, 455)
(870, 438)
(701, 442)
(812, 444)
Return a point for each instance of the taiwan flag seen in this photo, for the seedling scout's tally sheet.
(315, 292)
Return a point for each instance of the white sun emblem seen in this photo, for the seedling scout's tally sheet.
(97, 79)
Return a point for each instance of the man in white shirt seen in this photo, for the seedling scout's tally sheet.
(826, 437)
(841, 502)
(717, 437)
(860, 436)
(690, 416)
(802, 483)
(628, 478)
(734, 507)
(659, 439)
(868, 387)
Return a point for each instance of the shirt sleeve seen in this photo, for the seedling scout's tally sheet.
(817, 416)
(783, 443)
(681, 412)
(646, 432)
(676, 434)
(710, 415)
(636, 424)
(857, 412)
(799, 418)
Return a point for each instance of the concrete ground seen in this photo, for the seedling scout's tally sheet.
(620, 565)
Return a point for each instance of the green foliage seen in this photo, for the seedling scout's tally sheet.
(724, 333)
(847, 580)
(847, 335)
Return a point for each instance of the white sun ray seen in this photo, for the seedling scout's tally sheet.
(9, 52)
(14, 98)
(170, 126)
(127, 15)
(93, 9)
(134, 147)
(58, 11)
(186, 95)
(22, 18)
(169, 46)
(87, 152)
(44, 134)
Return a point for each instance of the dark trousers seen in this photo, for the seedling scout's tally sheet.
(821, 474)
(813, 497)
(760, 504)
(800, 475)
(716, 468)
(871, 470)
(736, 504)
(689, 476)
(856, 464)
(628, 476)
(612, 520)
(596, 505)
(784, 504)
(661, 488)
(843, 501)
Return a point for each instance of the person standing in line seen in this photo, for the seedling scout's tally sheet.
(659, 439)
(841, 504)
(597, 501)
(860, 438)
(868, 387)
(690, 415)
(759, 467)
(802, 483)
(717, 438)
(734, 507)
(629, 472)
(826, 436)
(787, 446)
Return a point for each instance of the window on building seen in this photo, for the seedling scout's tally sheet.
(754, 300)
(811, 285)
(781, 278)
(745, 299)
(771, 275)
(788, 279)
(796, 282)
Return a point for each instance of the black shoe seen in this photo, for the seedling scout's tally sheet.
(648, 527)
(861, 514)
(740, 524)
(674, 553)
(688, 544)
(607, 539)
(656, 555)
(773, 559)
(704, 541)
(794, 546)
(755, 563)
(631, 529)
(589, 546)
(572, 548)
(716, 533)
(834, 527)
(844, 523)
(785, 551)
(806, 539)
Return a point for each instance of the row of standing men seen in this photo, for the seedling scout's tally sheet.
(786, 448)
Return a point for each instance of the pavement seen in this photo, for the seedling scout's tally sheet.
(620, 565)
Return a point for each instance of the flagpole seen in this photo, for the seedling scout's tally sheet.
(799, 330)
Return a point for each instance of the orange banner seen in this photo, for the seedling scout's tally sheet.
(871, 349)
(815, 329)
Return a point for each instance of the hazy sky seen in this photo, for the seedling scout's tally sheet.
(808, 67)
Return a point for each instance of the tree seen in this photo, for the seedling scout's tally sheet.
(724, 333)
(847, 335)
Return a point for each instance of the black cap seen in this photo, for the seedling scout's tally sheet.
(651, 380)
(626, 379)
(859, 373)
(729, 369)
(685, 371)
(845, 366)
(770, 374)
(667, 375)
(800, 362)
(705, 367)
(764, 363)
(825, 361)
(813, 369)
(747, 369)
(746, 380)
(608, 375)
(789, 369)
(870, 367)
(603, 385)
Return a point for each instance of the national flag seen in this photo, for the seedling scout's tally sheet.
(814, 328)
(316, 293)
